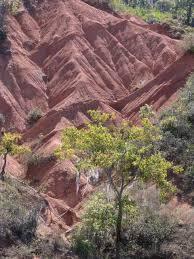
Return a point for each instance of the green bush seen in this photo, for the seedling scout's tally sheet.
(34, 116)
(143, 232)
(97, 228)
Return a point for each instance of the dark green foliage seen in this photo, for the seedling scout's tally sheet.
(177, 125)
(150, 231)
(34, 116)
(175, 149)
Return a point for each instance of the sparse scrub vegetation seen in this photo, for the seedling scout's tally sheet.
(102, 4)
(18, 221)
(20, 213)
(188, 43)
(98, 1)
(34, 115)
(37, 159)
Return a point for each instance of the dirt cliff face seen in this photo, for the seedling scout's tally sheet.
(67, 57)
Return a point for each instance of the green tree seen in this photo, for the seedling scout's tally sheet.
(124, 153)
(9, 145)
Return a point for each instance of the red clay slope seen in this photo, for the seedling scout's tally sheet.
(68, 57)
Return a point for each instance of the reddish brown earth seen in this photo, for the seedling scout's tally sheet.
(68, 57)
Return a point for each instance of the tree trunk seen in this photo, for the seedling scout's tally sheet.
(119, 204)
(119, 226)
(4, 166)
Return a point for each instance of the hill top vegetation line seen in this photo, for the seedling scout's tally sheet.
(153, 10)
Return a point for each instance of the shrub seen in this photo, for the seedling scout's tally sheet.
(97, 228)
(34, 116)
(177, 125)
(188, 44)
(50, 247)
(143, 232)
(146, 236)
(37, 159)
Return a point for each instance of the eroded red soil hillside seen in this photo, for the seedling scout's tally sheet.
(68, 57)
